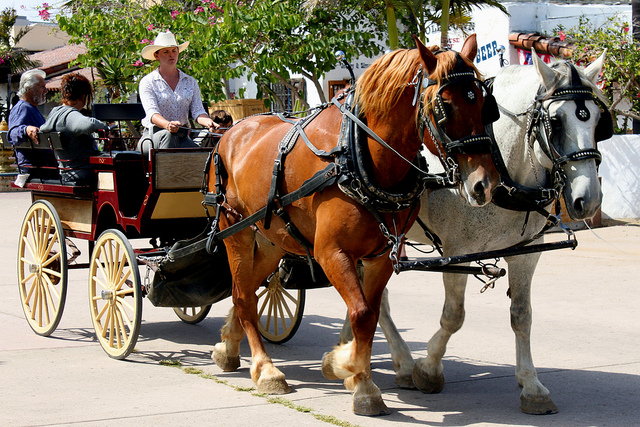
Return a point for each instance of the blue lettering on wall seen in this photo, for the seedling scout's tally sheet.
(487, 51)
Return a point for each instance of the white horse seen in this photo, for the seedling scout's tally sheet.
(536, 169)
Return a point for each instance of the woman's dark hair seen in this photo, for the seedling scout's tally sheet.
(221, 117)
(75, 86)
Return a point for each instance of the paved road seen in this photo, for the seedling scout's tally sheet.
(586, 346)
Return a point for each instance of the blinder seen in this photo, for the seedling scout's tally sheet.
(604, 128)
(473, 144)
(578, 93)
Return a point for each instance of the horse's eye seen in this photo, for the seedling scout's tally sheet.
(556, 124)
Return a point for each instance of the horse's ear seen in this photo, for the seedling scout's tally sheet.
(427, 56)
(544, 71)
(470, 48)
(593, 70)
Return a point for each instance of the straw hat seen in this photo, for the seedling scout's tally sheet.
(162, 41)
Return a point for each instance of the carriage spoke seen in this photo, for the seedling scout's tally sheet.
(53, 258)
(264, 303)
(283, 319)
(31, 249)
(122, 280)
(288, 295)
(101, 313)
(107, 321)
(125, 314)
(124, 292)
(52, 242)
(286, 306)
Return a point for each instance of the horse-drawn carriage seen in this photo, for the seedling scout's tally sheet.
(350, 191)
(155, 198)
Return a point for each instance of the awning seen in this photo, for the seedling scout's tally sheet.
(543, 45)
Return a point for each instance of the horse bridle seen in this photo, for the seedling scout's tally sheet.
(513, 196)
(540, 127)
(472, 144)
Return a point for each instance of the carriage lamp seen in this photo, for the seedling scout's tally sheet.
(501, 49)
(340, 56)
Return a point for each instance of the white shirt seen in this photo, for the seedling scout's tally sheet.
(157, 97)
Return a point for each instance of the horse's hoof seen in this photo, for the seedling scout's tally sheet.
(369, 406)
(405, 381)
(425, 382)
(273, 385)
(224, 362)
(539, 405)
(327, 366)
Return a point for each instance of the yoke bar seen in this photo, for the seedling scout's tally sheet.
(447, 264)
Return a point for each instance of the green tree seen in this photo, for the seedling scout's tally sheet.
(15, 59)
(228, 38)
(621, 73)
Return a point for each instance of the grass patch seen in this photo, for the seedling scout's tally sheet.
(288, 404)
(330, 419)
(333, 420)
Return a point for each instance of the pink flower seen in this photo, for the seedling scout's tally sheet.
(174, 14)
(562, 35)
(626, 29)
(1, 61)
(138, 63)
(44, 14)
(145, 41)
(150, 27)
(198, 10)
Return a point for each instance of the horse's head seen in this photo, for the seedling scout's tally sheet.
(573, 120)
(454, 108)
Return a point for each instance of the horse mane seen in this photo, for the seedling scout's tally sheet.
(379, 89)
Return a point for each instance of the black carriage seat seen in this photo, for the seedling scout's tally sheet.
(115, 115)
(131, 181)
(44, 168)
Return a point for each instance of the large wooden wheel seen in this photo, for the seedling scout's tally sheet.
(42, 268)
(192, 315)
(280, 310)
(115, 294)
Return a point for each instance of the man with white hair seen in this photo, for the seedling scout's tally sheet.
(25, 120)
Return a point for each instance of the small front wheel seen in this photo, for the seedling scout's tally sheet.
(192, 315)
(115, 294)
(279, 310)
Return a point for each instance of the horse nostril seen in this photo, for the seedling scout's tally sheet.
(479, 188)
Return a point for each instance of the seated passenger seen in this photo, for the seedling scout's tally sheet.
(75, 130)
(25, 120)
(168, 96)
(222, 118)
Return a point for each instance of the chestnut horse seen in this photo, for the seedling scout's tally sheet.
(337, 224)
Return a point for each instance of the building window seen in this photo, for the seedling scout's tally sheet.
(287, 96)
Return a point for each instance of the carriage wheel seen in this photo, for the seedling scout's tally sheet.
(115, 294)
(280, 310)
(192, 315)
(42, 268)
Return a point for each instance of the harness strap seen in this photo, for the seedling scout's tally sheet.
(344, 109)
(284, 147)
(317, 182)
